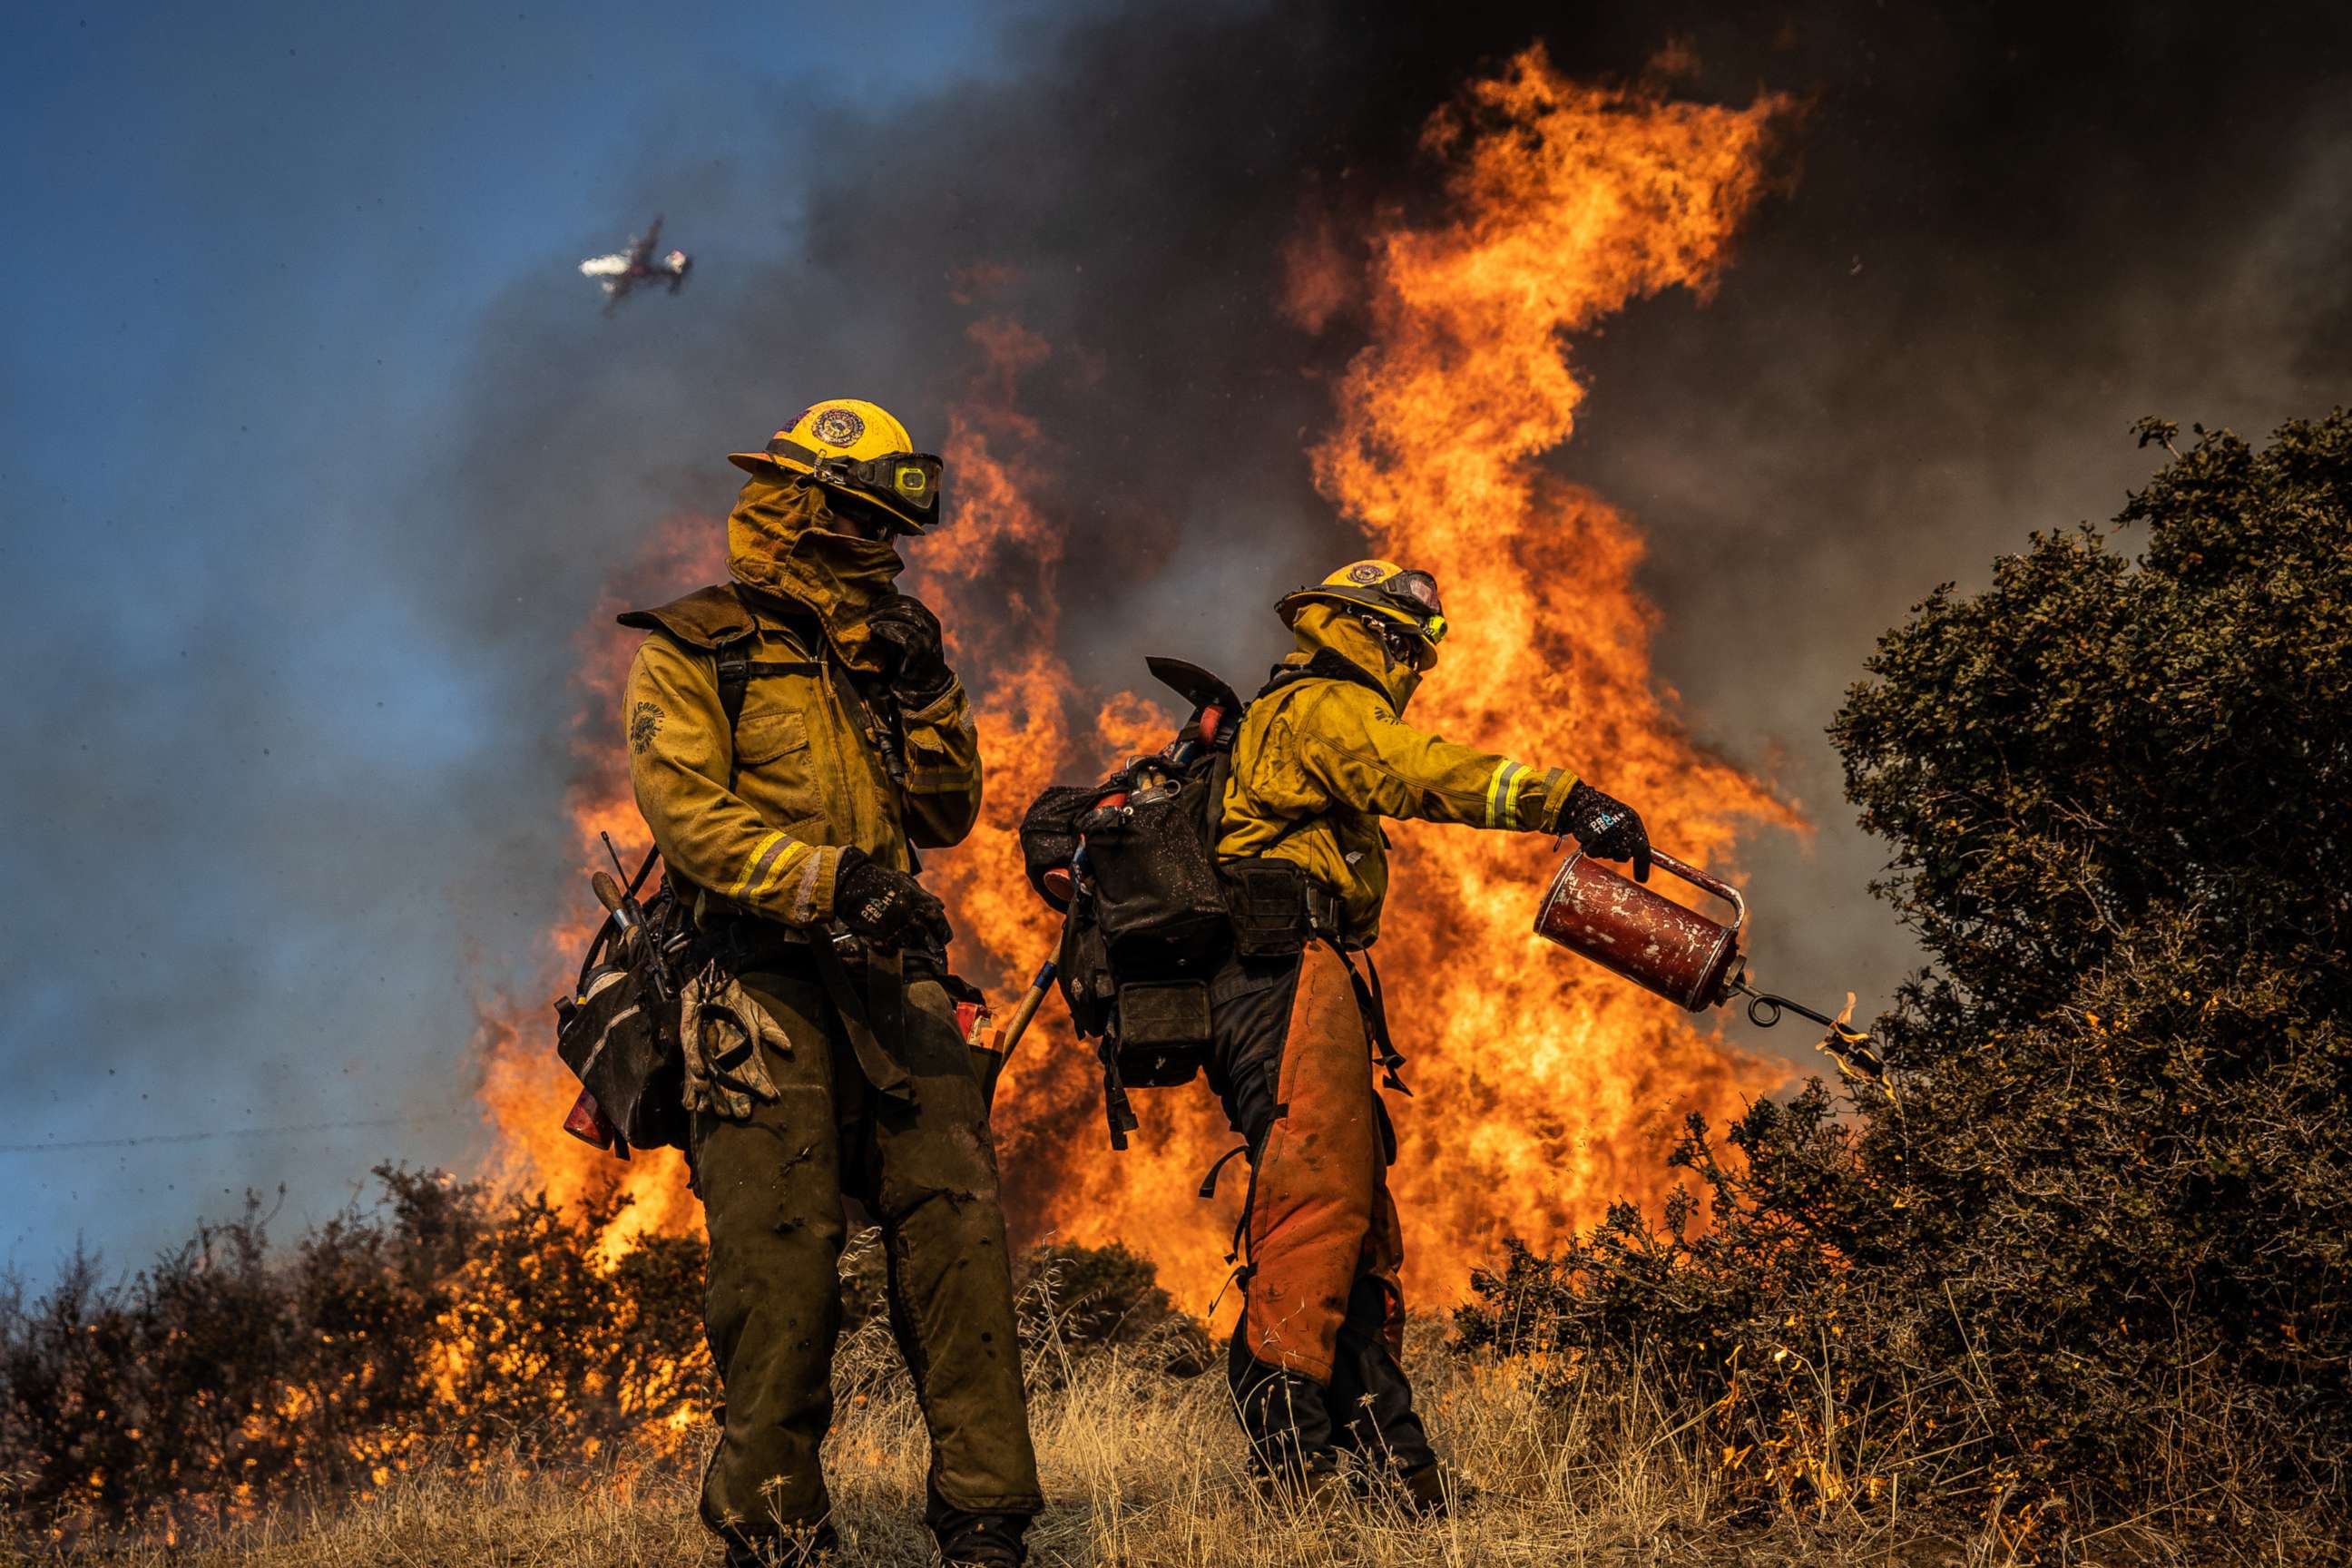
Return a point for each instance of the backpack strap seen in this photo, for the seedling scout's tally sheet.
(1329, 664)
(734, 680)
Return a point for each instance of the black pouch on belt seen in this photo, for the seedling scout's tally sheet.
(621, 1040)
(1162, 1034)
(1267, 898)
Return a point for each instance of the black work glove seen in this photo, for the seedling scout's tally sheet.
(888, 909)
(907, 647)
(1606, 827)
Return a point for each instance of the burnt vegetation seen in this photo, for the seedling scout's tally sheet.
(444, 1323)
(2088, 1265)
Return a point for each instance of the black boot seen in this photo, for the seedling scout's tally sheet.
(810, 1548)
(979, 1539)
(1432, 1491)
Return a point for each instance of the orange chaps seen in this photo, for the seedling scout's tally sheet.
(1320, 1215)
(1315, 1366)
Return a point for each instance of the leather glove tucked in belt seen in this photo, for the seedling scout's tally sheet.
(1606, 827)
(908, 640)
(886, 907)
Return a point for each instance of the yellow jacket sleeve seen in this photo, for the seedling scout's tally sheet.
(1354, 745)
(942, 790)
(680, 754)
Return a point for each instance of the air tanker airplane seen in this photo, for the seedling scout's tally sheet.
(625, 269)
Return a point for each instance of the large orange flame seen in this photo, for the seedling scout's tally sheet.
(1542, 1085)
(1545, 1089)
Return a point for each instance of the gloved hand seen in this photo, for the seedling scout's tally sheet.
(1606, 827)
(888, 908)
(907, 646)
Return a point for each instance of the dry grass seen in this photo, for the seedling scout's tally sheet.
(1142, 1470)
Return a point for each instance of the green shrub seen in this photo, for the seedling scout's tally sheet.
(2093, 1262)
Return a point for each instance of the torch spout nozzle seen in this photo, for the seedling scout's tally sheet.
(1764, 1010)
(1848, 1046)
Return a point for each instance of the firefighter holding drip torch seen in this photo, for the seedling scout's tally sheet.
(1322, 757)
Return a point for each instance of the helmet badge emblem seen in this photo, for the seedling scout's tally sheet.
(838, 426)
(1364, 572)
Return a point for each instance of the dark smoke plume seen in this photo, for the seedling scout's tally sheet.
(2003, 237)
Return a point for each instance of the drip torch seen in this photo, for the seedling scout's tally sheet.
(1677, 952)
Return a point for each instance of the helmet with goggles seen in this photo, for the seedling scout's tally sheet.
(1404, 600)
(858, 449)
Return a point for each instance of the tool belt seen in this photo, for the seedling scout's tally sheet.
(1278, 909)
(866, 987)
(1161, 1025)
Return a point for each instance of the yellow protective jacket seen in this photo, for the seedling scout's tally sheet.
(1320, 761)
(758, 818)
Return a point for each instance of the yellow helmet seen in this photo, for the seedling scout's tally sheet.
(1384, 589)
(860, 449)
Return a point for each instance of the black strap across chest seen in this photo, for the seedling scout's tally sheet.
(737, 669)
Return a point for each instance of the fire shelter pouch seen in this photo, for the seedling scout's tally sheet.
(1163, 1032)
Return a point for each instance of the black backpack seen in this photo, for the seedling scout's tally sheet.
(1131, 864)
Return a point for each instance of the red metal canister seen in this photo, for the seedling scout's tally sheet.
(1651, 940)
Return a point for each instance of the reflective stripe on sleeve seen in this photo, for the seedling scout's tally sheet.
(804, 908)
(1498, 791)
(756, 868)
(795, 853)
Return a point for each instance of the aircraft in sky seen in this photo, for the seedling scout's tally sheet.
(625, 269)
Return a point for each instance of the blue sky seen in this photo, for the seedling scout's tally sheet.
(250, 248)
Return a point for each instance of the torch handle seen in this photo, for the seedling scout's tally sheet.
(1031, 1001)
(1706, 882)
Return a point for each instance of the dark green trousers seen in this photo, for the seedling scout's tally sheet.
(771, 1186)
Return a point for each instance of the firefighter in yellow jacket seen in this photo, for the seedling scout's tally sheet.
(1322, 756)
(794, 735)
